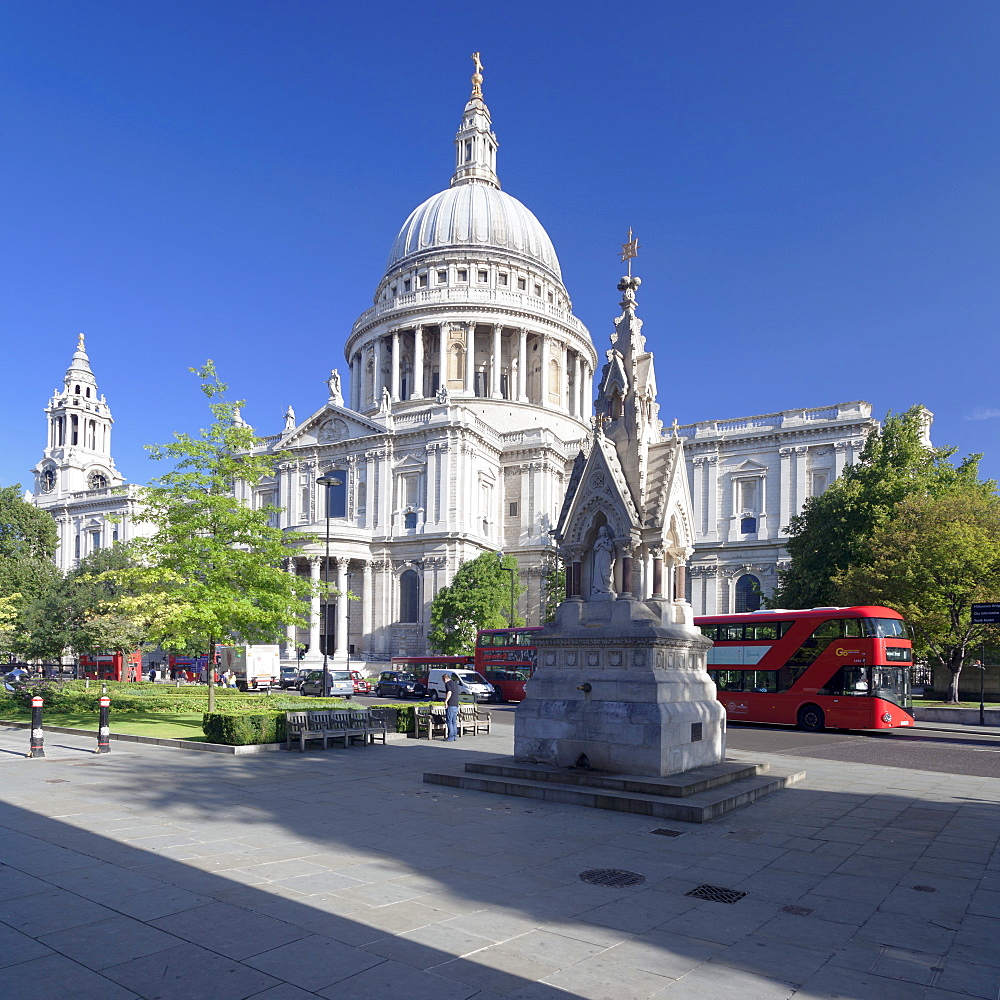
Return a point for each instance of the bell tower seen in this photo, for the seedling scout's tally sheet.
(77, 455)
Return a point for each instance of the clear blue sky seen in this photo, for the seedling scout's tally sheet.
(814, 183)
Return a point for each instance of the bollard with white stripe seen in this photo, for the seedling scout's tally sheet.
(104, 727)
(37, 734)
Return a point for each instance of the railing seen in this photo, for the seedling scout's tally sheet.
(855, 410)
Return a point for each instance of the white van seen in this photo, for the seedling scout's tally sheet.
(472, 683)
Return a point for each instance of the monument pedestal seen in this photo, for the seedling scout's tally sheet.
(620, 683)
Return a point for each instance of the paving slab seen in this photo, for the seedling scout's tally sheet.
(159, 873)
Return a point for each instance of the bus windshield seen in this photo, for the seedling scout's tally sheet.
(892, 684)
(885, 628)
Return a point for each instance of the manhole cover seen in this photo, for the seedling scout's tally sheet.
(669, 833)
(716, 894)
(798, 911)
(614, 877)
(925, 888)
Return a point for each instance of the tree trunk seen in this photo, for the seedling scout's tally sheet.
(954, 664)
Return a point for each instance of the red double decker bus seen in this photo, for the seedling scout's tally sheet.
(845, 668)
(112, 666)
(506, 658)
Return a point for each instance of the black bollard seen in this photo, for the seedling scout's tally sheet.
(104, 727)
(37, 735)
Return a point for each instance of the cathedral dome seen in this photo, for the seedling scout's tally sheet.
(474, 215)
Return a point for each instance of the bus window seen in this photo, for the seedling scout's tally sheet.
(761, 681)
(731, 633)
(729, 680)
(765, 631)
(710, 632)
(847, 681)
(885, 628)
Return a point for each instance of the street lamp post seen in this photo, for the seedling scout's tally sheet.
(327, 481)
(513, 573)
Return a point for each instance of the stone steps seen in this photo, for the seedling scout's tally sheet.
(697, 796)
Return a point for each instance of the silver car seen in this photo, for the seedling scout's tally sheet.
(340, 684)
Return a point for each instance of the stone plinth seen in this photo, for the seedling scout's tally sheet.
(651, 708)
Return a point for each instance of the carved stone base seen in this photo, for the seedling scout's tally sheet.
(651, 708)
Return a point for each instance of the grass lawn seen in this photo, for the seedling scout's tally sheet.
(178, 726)
(921, 703)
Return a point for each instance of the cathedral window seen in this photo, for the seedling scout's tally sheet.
(410, 519)
(362, 495)
(74, 424)
(820, 480)
(468, 150)
(462, 274)
(748, 595)
(484, 276)
(88, 393)
(442, 277)
(538, 290)
(748, 525)
(336, 494)
(95, 540)
(76, 390)
(502, 279)
(421, 281)
(512, 508)
(406, 285)
(522, 284)
(409, 596)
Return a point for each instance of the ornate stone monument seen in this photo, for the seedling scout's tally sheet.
(620, 684)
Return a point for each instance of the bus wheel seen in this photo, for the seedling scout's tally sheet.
(811, 718)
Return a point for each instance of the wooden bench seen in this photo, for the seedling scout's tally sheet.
(298, 727)
(429, 720)
(350, 723)
(472, 720)
(375, 727)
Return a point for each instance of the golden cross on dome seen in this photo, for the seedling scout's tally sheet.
(630, 250)
(477, 77)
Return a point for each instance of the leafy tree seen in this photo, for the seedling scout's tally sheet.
(553, 589)
(58, 620)
(834, 529)
(28, 540)
(213, 570)
(478, 597)
(937, 555)
(8, 615)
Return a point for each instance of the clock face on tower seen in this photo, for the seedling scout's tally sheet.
(49, 480)
(97, 481)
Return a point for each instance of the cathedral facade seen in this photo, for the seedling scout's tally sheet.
(469, 397)
(467, 407)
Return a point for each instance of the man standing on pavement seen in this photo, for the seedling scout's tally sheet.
(452, 687)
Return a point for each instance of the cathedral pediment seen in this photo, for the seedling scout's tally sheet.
(749, 466)
(329, 425)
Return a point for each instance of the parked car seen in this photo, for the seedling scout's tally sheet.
(340, 684)
(472, 684)
(397, 684)
(361, 685)
(291, 677)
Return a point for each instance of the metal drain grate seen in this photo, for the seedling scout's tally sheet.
(925, 888)
(716, 894)
(614, 877)
(668, 833)
(798, 911)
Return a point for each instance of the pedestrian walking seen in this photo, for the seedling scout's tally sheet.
(452, 688)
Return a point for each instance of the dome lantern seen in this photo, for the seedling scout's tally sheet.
(475, 143)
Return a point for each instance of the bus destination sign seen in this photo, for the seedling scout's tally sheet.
(986, 614)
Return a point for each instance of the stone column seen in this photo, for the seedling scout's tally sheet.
(340, 647)
(377, 374)
(314, 608)
(470, 359)
(626, 551)
(418, 363)
(355, 379)
(495, 363)
(395, 366)
(801, 477)
(657, 571)
(522, 365)
(366, 607)
(564, 401)
(578, 383)
(543, 382)
(680, 582)
(443, 355)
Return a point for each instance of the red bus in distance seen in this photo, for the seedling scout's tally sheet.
(843, 668)
(112, 666)
(506, 658)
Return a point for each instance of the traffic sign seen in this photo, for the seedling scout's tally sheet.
(986, 614)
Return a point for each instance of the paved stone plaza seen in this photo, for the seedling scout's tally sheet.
(178, 875)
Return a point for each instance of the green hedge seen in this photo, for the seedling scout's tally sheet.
(253, 726)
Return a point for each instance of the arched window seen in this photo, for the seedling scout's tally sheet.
(409, 596)
(748, 595)
(748, 525)
(410, 519)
